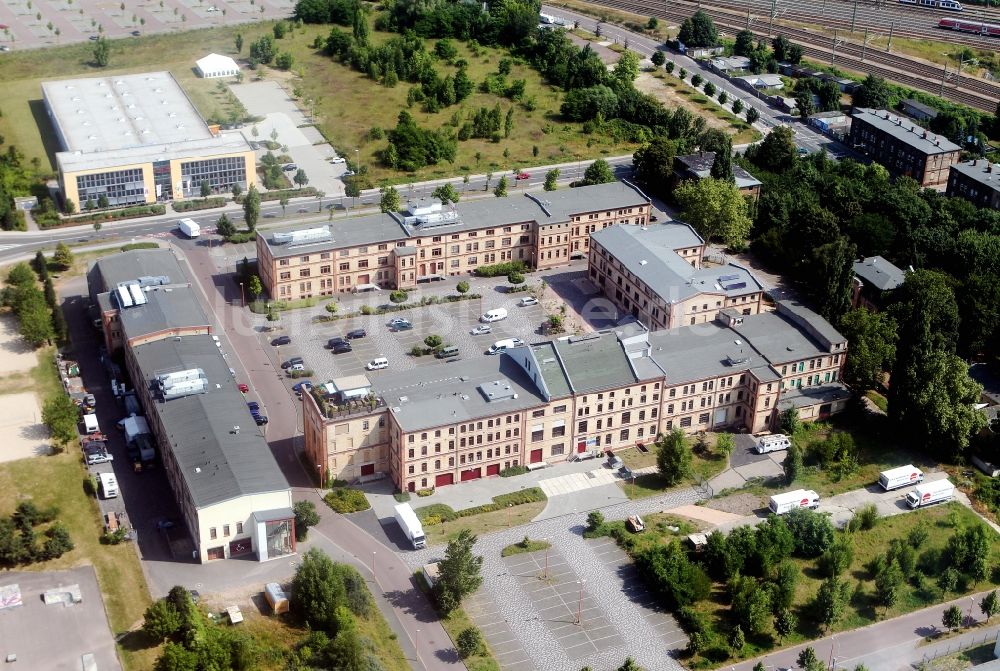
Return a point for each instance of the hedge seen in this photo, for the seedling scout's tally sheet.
(242, 236)
(139, 245)
(513, 470)
(389, 307)
(199, 204)
(499, 269)
(111, 215)
(347, 500)
(278, 194)
(440, 512)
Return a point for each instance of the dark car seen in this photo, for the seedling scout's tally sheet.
(260, 419)
(136, 33)
(253, 405)
(282, 340)
(356, 333)
(334, 342)
(291, 362)
(342, 348)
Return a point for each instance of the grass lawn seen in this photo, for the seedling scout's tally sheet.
(940, 523)
(455, 624)
(484, 523)
(523, 548)
(705, 464)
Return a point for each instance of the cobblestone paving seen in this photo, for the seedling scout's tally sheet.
(649, 636)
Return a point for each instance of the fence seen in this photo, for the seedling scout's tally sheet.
(956, 645)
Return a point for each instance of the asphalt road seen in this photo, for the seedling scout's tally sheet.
(805, 136)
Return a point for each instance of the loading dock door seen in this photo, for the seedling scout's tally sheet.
(444, 479)
(493, 469)
(472, 474)
(536, 456)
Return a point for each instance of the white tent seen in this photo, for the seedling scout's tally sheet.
(216, 65)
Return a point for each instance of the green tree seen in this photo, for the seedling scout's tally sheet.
(390, 201)
(305, 511)
(744, 43)
(283, 202)
(508, 125)
(873, 347)
(673, 457)
(551, 180)
(737, 106)
(161, 620)
(948, 581)
(515, 278)
(777, 152)
(837, 558)
(722, 165)
(35, 319)
(63, 257)
(458, 573)
(785, 623)
(70, 206)
(752, 115)
(808, 661)
(102, 52)
(21, 275)
(433, 341)
(832, 266)
(990, 605)
(737, 641)
(60, 415)
(462, 287)
(653, 164)
(790, 422)
(176, 657)
(41, 266)
(812, 531)
(875, 93)
(952, 618)
(57, 541)
(300, 179)
(627, 69)
(598, 172)
(319, 590)
(470, 642)
(831, 600)
(716, 209)
(239, 43)
(629, 665)
(59, 326)
(206, 190)
(237, 189)
(725, 444)
(501, 189)
(103, 202)
(887, 584)
(780, 46)
(224, 227)
(251, 207)
(446, 193)
(698, 30)
(255, 286)
(783, 586)
(658, 58)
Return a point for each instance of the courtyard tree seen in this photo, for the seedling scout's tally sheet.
(255, 287)
(63, 257)
(251, 207)
(224, 226)
(551, 179)
(873, 347)
(301, 179)
(462, 287)
(305, 511)
(598, 172)
(673, 457)
(389, 200)
(446, 193)
(716, 209)
(458, 573)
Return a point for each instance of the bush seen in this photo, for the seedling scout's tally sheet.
(110, 215)
(470, 642)
(398, 296)
(500, 269)
(347, 500)
(301, 373)
(331, 307)
(513, 470)
(425, 492)
(198, 204)
(594, 520)
(867, 516)
(139, 245)
(696, 80)
(515, 278)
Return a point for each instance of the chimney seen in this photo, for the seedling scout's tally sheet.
(925, 135)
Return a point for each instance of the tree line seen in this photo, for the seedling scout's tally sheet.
(19, 537)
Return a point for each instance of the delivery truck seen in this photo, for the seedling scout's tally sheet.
(410, 525)
(189, 227)
(789, 501)
(930, 493)
(894, 478)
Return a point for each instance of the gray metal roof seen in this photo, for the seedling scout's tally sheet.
(983, 171)
(595, 361)
(449, 392)
(700, 165)
(522, 208)
(216, 463)
(547, 363)
(879, 273)
(703, 351)
(920, 107)
(648, 253)
(801, 397)
(778, 338)
(905, 130)
(166, 308)
(108, 271)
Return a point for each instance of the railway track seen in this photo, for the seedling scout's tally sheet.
(919, 75)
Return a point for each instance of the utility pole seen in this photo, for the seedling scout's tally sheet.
(943, 77)
(833, 56)
(854, 16)
(770, 27)
(889, 45)
(864, 46)
(748, 14)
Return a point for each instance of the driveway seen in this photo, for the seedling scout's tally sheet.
(305, 145)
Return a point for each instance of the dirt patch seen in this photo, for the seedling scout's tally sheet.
(671, 97)
(738, 504)
(15, 355)
(20, 423)
(705, 515)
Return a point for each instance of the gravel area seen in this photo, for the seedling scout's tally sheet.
(738, 504)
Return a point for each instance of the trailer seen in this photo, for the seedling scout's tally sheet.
(189, 227)
(938, 491)
(412, 529)
(894, 478)
(800, 498)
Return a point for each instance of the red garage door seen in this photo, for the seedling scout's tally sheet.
(581, 446)
(444, 479)
(472, 474)
(536, 456)
(368, 469)
(493, 469)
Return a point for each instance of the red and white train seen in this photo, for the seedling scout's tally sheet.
(952, 5)
(976, 27)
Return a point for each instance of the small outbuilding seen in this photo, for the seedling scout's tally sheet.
(276, 598)
(217, 65)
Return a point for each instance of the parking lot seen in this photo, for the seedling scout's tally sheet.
(452, 321)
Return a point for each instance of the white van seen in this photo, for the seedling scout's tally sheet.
(377, 364)
(108, 486)
(800, 498)
(773, 443)
(90, 424)
(494, 316)
(503, 345)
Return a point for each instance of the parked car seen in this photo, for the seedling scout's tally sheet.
(300, 387)
(136, 33)
(356, 333)
(522, 175)
(294, 361)
(342, 348)
(377, 364)
(338, 159)
(626, 473)
(253, 405)
(635, 524)
(333, 342)
(295, 367)
(282, 340)
(244, 389)
(260, 420)
(527, 301)
(290, 167)
(481, 329)
(99, 457)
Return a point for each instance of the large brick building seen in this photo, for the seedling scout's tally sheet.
(607, 390)
(430, 240)
(657, 274)
(905, 149)
(977, 181)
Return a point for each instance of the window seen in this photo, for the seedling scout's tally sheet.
(703, 418)
(212, 534)
(225, 530)
(559, 408)
(537, 435)
(345, 266)
(558, 430)
(626, 417)
(538, 413)
(558, 448)
(581, 427)
(239, 528)
(685, 421)
(623, 435)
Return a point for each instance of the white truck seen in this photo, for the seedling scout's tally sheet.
(773, 443)
(932, 492)
(894, 478)
(789, 501)
(90, 424)
(408, 522)
(189, 227)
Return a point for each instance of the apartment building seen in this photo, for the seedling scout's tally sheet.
(875, 278)
(699, 166)
(978, 181)
(602, 391)
(233, 498)
(905, 149)
(431, 240)
(657, 274)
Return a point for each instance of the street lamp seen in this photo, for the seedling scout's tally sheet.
(243, 300)
(509, 506)
(416, 644)
(373, 568)
(579, 603)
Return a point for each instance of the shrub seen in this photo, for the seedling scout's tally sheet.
(139, 245)
(331, 307)
(868, 516)
(594, 520)
(347, 500)
(425, 492)
(696, 80)
(513, 470)
(470, 642)
(500, 269)
(301, 373)
(199, 204)
(367, 310)
(398, 296)
(515, 277)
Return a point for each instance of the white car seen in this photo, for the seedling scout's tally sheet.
(481, 329)
(99, 457)
(338, 159)
(296, 366)
(527, 301)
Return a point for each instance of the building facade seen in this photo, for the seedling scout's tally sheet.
(432, 240)
(906, 150)
(657, 274)
(977, 181)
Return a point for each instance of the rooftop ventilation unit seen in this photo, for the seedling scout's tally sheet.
(732, 286)
(138, 297)
(152, 280)
(728, 278)
(124, 298)
(432, 219)
(303, 237)
(737, 358)
(498, 390)
(182, 383)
